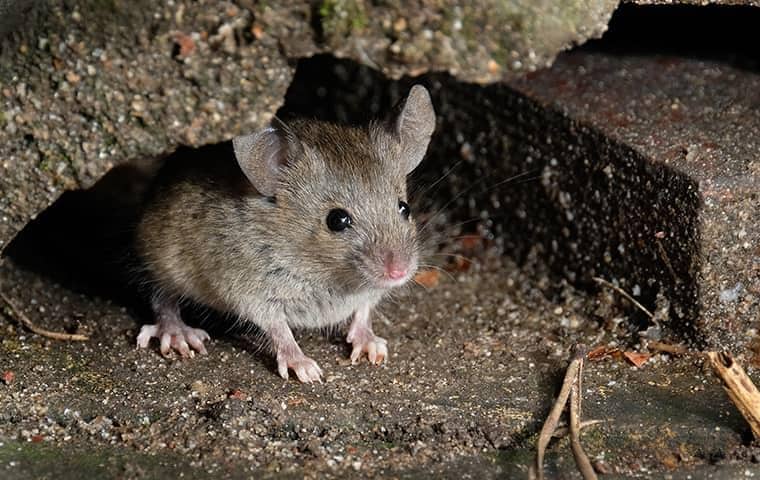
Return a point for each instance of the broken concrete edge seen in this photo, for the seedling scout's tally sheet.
(573, 216)
(62, 57)
(656, 110)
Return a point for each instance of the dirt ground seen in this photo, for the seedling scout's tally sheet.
(475, 362)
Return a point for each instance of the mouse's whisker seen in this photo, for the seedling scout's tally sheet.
(437, 182)
(440, 269)
(486, 190)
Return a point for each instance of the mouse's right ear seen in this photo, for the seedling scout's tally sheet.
(262, 154)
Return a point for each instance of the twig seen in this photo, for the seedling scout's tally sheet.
(666, 260)
(739, 387)
(667, 348)
(24, 320)
(564, 430)
(581, 459)
(626, 295)
(550, 425)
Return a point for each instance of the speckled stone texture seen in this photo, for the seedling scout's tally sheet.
(670, 200)
(87, 84)
(99, 83)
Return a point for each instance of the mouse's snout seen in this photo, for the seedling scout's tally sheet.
(392, 268)
(395, 268)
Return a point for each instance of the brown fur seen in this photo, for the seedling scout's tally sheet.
(209, 235)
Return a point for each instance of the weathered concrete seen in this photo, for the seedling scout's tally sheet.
(98, 83)
(687, 215)
(474, 364)
(92, 84)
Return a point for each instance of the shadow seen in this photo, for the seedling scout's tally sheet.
(83, 240)
(723, 33)
(546, 204)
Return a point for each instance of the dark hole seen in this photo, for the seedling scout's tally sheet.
(725, 33)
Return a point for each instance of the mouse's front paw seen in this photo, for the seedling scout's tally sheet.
(180, 337)
(375, 347)
(306, 369)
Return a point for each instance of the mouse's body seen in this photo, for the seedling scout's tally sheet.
(298, 226)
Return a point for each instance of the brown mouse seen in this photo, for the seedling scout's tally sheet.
(294, 226)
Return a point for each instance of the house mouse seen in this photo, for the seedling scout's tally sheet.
(301, 225)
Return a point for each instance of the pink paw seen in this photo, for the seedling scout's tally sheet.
(185, 340)
(375, 347)
(305, 368)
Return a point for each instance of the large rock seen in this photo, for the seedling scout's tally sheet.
(653, 168)
(91, 84)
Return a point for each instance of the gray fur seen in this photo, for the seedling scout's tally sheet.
(207, 235)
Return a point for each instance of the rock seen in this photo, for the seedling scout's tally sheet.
(652, 169)
(156, 64)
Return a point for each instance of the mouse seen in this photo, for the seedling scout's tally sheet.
(300, 225)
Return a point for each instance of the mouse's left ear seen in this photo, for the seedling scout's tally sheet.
(262, 155)
(414, 125)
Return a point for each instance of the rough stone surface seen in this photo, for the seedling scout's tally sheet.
(91, 84)
(13, 13)
(695, 125)
(103, 82)
(474, 360)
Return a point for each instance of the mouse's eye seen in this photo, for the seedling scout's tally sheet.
(404, 210)
(338, 220)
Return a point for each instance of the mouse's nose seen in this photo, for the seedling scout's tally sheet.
(395, 268)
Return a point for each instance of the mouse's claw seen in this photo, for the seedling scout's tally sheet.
(306, 369)
(172, 333)
(375, 347)
(174, 336)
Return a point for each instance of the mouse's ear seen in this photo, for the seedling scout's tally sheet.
(262, 154)
(414, 125)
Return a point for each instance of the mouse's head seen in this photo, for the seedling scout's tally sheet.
(341, 194)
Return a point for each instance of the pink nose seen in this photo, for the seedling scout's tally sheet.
(394, 268)
(395, 273)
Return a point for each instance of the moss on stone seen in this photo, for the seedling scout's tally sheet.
(342, 17)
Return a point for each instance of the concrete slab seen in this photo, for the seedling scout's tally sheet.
(682, 155)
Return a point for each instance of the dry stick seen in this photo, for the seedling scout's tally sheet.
(564, 430)
(550, 425)
(626, 295)
(24, 320)
(581, 459)
(739, 387)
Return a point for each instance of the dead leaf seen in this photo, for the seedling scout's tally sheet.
(602, 352)
(636, 358)
(257, 31)
(462, 264)
(428, 278)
